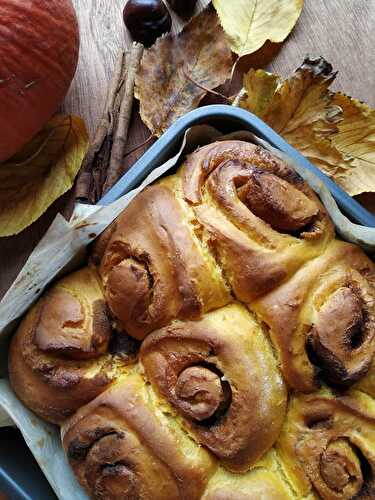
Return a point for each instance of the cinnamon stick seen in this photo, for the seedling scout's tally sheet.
(93, 171)
(121, 132)
(102, 165)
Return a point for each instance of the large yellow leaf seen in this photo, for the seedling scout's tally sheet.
(250, 23)
(301, 109)
(336, 132)
(355, 139)
(44, 170)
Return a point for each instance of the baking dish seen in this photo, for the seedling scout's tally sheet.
(225, 119)
(229, 119)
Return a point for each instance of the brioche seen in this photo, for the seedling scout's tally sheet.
(218, 346)
(212, 372)
(59, 359)
(322, 320)
(124, 445)
(158, 264)
(327, 445)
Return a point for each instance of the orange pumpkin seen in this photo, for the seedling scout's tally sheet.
(39, 45)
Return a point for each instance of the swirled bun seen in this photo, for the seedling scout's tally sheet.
(322, 320)
(59, 359)
(328, 445)
(154, 268)
(262, 221)
(212, 372)
(122, 445)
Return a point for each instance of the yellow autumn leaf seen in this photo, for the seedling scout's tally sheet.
(44, 170)
(260, 87)
(250, 23)
(355, 139)
(301, 109)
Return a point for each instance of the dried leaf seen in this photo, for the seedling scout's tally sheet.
(304, 100)
(44, 170)
(175, 72)
(301, 109)
(336, 132)
(250, 23)
(355, 139)
(260, 89)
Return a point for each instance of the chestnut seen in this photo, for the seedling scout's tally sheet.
(183, 8)
(146, 20)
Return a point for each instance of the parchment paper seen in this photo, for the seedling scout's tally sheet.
(63, 248)
(44, 442)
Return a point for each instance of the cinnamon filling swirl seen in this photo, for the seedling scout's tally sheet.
(277, 202)
(202, 394)
(343, 325)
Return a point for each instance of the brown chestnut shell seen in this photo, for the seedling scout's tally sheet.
(147, 20)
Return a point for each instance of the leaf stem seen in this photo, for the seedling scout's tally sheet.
(146, 141)
(206, 89)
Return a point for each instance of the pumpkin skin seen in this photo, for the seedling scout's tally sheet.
(39, 45)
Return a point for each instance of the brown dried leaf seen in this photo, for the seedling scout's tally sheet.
(301, 109)
(336, 132)
(304, 100)
(173, 71)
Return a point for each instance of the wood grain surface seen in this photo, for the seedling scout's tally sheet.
(340, 30)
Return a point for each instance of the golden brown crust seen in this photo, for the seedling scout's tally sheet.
(322, 320)
(261, 220)
(58, 358)
(328, 445)
(61, 326)
(212, 372)
(122, 446)
(265, 481)
(204, 161)
(153, 269)
(277, 202)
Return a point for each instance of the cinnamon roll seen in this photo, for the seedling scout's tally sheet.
(59, 359)
(125, 445)
(220, 375)
(328, 446)
(259, 218)
(322, 320)
(154, 268)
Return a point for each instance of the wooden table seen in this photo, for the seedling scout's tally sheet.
(340, 30)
